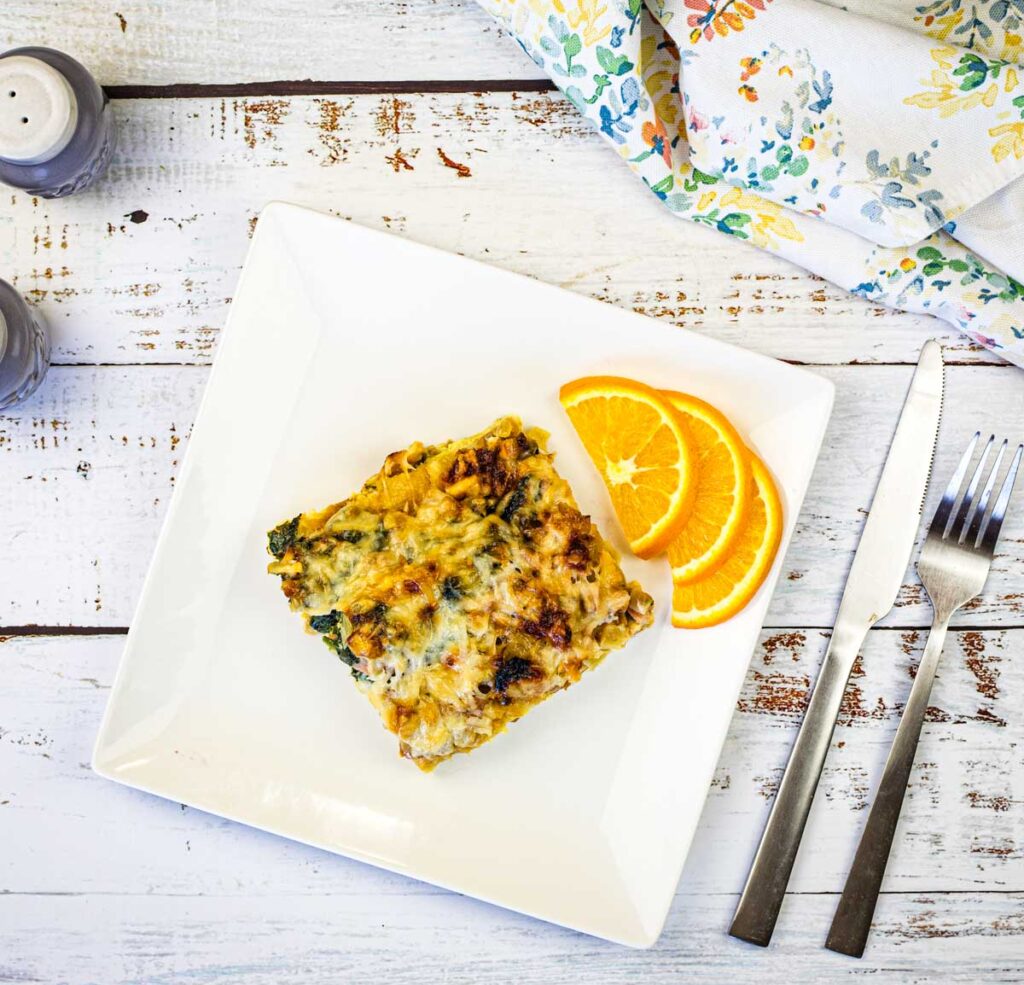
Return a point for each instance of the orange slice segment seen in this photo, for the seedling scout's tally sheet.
(641, 449)
(722, 489)
(726, 589)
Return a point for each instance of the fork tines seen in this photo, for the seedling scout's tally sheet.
(974, 522)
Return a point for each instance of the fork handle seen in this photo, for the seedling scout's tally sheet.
(852, 921)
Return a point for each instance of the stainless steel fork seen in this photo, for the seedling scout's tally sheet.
(953, 566)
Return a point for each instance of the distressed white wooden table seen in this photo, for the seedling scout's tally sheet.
(102, 884)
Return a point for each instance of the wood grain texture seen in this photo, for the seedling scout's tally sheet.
(962, 830)
(124, 940)
(142, 267)
(99, 883)
(248, 906)
(95, 453)
(127, 42)
(321, 87)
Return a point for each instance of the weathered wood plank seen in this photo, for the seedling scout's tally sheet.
(92, 459)
(962, 825)
(95, 453)
(139, 42)
(141, 268)
(118, 940)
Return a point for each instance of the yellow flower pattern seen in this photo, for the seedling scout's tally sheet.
(769, 220)
(950, 94)
(587, 16)
(1010, 140)
(964, 81)
(947, 20)
(623, 64)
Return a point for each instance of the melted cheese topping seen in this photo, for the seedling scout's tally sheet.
(462, 585)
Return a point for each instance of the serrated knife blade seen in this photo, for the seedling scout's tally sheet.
(872, 585)
(891, 528)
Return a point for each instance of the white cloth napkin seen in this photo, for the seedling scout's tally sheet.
(878, 143)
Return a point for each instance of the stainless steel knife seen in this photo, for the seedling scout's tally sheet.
(872, 586)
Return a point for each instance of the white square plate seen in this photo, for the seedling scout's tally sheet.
(342, 345)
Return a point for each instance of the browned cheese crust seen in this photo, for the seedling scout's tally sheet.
(461, 585)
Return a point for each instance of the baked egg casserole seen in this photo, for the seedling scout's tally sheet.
(461, 585)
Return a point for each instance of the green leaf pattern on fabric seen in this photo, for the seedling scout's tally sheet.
(620, 66)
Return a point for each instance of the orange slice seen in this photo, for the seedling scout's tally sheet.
(726, 589)
(641, 448)
(722, 493)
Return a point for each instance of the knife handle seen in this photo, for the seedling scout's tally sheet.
(762, 896)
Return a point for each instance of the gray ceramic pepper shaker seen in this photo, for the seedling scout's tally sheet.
(24, 348)
(56, 126)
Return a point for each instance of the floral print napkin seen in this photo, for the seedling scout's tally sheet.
(878, 143)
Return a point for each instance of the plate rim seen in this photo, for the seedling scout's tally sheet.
(277, 210)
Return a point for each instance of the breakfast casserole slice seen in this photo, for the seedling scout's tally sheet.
(462, 585)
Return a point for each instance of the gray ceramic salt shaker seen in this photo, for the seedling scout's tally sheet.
(56, 126)
(24, 348)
